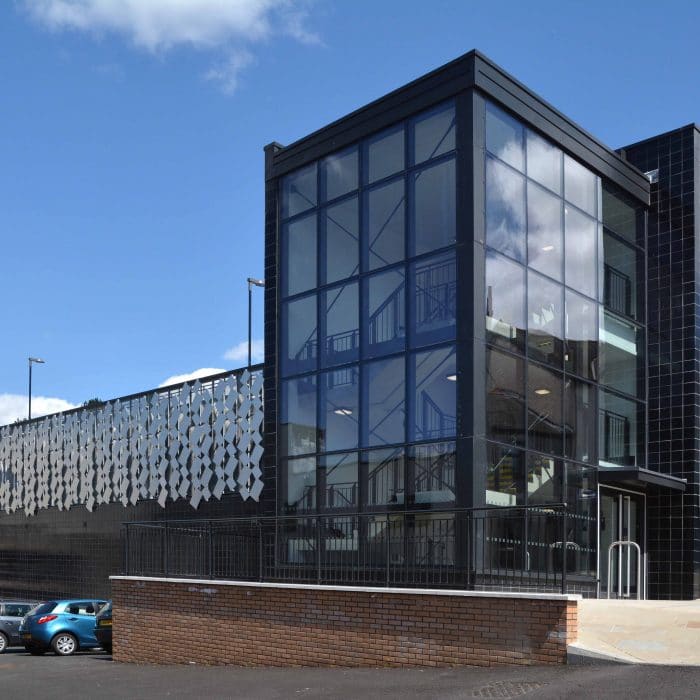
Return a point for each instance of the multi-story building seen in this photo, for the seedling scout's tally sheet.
(480, 357)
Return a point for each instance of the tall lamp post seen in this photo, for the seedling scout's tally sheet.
(252, 282)
(38, 361)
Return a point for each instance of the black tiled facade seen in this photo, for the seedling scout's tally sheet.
(673, 272)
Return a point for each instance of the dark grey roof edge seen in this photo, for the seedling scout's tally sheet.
(473, 69)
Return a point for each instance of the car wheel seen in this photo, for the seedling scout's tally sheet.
(64, 644)
(3, 642)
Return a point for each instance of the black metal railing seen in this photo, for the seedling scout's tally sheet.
(513, 548)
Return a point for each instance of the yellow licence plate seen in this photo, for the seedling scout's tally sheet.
(26, 636)
(105, 623)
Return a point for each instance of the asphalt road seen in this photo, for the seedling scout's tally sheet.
(95, 675)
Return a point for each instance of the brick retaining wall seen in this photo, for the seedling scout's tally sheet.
(214, 622)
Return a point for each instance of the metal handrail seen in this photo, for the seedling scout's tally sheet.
(621, 544)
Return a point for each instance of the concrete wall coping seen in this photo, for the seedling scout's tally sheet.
(357, 589)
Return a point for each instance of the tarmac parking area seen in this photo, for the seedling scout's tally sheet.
(96, 675)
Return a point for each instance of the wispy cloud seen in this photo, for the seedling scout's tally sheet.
(14, 406)
(198, 373)
(229, 27)
(239, 353)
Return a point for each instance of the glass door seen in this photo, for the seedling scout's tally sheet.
(621, 554)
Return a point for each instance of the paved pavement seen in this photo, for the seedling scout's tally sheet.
(95, 675)
(644, 631)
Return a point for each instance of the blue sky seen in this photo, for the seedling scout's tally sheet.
(131, 137)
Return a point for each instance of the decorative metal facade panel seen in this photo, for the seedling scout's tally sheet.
(195, 441)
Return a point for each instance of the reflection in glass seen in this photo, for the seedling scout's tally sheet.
(299, 340)
(622, 214)
(386, 330)
(545, 239)
(384, 223)
(434, 395)
(545, 476)
(338, 480)
(580, 186)
(434, 299)
(544, 396)
(505, 397)
(384, 154)
(385, 383)
(433, 468)
(580, 420)
(582, 508)
(621, 355)
(433, 133)
(505, 210)
(581, 354)
(341, 241)
(504, 136)
(505, 301)
(581, 252)
(339, 174)
(545, 319)
(339, 409)
(622, 275)
(434, 217)
(298, 416)
(544, 162)
(342, 340)
(299, 255)
(385, 476)
(505, 476)
(300, 485)
(299, 191)
(620, 424)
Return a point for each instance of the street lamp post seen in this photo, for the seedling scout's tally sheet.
(38, 361)
(252, 282)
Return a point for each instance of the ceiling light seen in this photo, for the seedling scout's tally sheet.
(343, 411)
(547, 248)
(451, 377)
(542, 392)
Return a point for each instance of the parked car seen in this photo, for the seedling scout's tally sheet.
(103, 627)
(66, 626)
(11, 614)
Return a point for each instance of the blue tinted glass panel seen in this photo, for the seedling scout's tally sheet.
(433, 299)
(581, 252)
(341, 241)
(621, 424)
(299, 256)
(299, 191)
(434, 395)
(340, 409)
(544, 162)
(505, 210)
(545, 324)
(504, 137)
(339, 474)
(300, 485)
(342, 333)
(386, 321)
(505, 302)
(299, 336)
(434, 218)
(545, 235)
(339, 174)
(433, 133)
(580, 186)
(434, 473)
(385, 154)
(505, 397)
(385, 385)
(544, 396)
(298, 416)
(385, 476)
(385, 224)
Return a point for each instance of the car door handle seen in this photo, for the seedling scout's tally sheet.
(72, 619)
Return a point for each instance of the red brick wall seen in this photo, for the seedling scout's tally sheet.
(211, 623)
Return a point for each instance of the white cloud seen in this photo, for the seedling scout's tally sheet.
(203, 372)
(239, 353)
(227, 26)
(14, 406)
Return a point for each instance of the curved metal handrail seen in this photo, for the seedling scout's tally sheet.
(625, 543)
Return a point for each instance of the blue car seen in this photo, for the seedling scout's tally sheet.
(66, 626)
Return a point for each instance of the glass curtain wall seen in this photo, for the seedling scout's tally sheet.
(367, 270)
(563, 326)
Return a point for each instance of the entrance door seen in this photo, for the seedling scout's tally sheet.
(621, 555)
